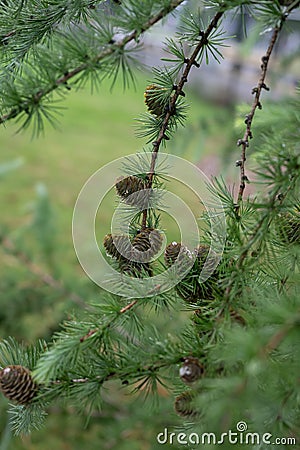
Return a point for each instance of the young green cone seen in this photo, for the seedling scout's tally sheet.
(154, 99)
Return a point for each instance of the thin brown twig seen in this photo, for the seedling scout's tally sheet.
(95, 330)
(244, 142)
(113, 47)
(190, 62)
(277, 198)
(128, 307)
(278, 337)
(252, 240)
(123, 310)
(154, 367)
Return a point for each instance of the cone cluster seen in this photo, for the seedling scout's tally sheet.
(16, 384)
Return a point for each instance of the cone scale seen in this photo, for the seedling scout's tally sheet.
(16, 384)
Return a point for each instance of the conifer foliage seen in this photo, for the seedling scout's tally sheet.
(238, 355)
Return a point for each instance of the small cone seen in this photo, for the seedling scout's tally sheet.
(16, 384)
(202, 252)
(133, 191)
(289, 227)
(171, 253)
(126, 186)
(147, 243)
(190, 289)
(184, 405)
(191, 370)
(134, 269)
(120, 248)
(117, 246)
(153, 100)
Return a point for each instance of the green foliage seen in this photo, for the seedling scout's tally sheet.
(12, 353)
(191, 31)
(26, 419)
(243, 325)
(31, 309)
(86, 41)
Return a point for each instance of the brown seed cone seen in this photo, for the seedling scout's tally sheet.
(236, 317)
(153, 99)
(126, 186)
(191, 370)
(147, 243)
(187, 289)
(172, 252)
(133, 191)
(289, 227)
(16, 384)
(117, 246)
(202, 252)
(134, 269)
(177, 252)
(190, 289)
(184, 405)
